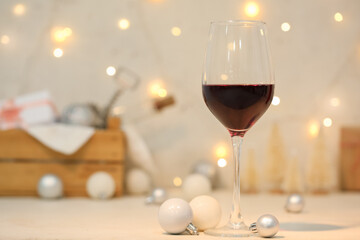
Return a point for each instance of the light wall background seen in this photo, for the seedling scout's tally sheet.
(316, 60)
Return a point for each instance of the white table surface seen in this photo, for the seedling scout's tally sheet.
(333, 216)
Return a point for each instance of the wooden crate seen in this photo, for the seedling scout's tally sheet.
(350, 158)
(23, 160)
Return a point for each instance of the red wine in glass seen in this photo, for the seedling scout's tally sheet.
(238, 107)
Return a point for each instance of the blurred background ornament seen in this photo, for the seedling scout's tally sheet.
(206, 212)
(293, 180)
(196, 184)
(249, 178)
(138, 151)
(175, 216)
(100, 185)
(294, 203)
(138, 181)
(319, 169)
(50, 186)
(275, 161)
(157, 196)
(266, 226)
(161, 103)
(125, 80)
(82, 114)
(207, 169)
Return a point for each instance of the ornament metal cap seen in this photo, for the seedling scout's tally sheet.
(253, 227)
(191, 229)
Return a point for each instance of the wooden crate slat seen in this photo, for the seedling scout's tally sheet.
(20, 178)
(104, 145)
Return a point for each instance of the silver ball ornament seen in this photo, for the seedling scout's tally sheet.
(266, 226)
(81, 114)
(207, 169)
(295, 203)
(50, 187)
(157, 196)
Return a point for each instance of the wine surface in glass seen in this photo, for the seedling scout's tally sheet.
(238, 107)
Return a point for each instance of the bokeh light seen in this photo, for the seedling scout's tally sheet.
(110, 71)
(335, 102)
(251, 9)
(327, 122)
(338, 17)
(19, 9)
(221, 152)
(314, 128)
(124, 24)
(157, 90)
(224, 77)
(61, 34)
(222, 162)
(177, 181)
(176, 31)
(285, 27)
(275, 101)
(5, 39)
(58, 52)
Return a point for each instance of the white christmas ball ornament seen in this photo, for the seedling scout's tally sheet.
(196, 184)
(206, 211)
(100, 185)
(50, 186)
(295, 203)
(175, 216)
(138, 181)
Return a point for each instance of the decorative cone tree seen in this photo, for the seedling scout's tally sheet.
(275, 162)
(250, 176)
(293, 179)
(318, 173)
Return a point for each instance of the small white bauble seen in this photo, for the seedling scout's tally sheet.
(138, 181)
(157, 196)
(295, 203)
(196, 184)
(206, 211)
(100, 185)
(175, 216)
(50, 186)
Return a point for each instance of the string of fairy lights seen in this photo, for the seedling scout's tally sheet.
(251, 9)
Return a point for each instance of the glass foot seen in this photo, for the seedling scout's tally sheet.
(231, 230)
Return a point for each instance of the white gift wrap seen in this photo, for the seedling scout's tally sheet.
(26, 110)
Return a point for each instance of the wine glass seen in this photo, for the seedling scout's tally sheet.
(238, 87)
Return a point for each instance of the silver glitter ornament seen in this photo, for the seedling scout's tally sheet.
(207, 169)
(81, 114)
(157, 196)
(266, 226)
(50, 186)
(294, 203)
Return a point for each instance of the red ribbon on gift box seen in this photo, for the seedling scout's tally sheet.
(10, 113)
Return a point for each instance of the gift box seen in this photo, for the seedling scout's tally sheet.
(26, 110)
(350, 158)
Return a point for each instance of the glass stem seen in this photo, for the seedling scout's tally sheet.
(235, 216)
